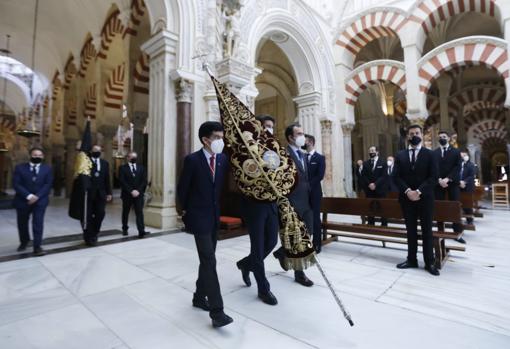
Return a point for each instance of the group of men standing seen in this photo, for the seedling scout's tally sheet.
(420, 176)
(199, 191)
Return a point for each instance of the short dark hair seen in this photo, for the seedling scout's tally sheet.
(265, 117)
(207, 129)
(415, 126)
(374, 146)
(312, 138)
(444, 133)
(289, 131)
(36, 148)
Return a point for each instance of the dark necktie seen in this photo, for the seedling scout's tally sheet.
(372, 164)
(413, 158)
(462, 171)
(133, 170)
(211, 165)
(34, 172)
(444, 151)
(300, 155)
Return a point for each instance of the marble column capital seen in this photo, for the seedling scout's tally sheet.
(163, 42)
(326, 126)
(184, 91)
(348, 127)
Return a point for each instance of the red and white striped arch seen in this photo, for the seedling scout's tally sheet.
(114, 89)
(486, 129)
(90, 102)
(429, 13)
(87, 53)
(367, 27)
(141, 75)
(112, 26)
(138, 10)
(372, 72)
(483, 115)
(495, 144)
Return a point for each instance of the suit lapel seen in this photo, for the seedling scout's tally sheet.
(205, 165)
(296, 160)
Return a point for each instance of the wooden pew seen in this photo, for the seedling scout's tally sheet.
(445, 211)
(478, 196)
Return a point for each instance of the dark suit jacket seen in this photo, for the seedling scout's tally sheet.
(128, 182)
(100, 185)
(390, 185)
(468, 176)
(316, 171)
(199, 195)
(423, 177)
(24, 185)
(300, 196)
(449, 165)
(376, 175)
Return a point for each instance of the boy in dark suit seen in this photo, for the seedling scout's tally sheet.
(133, 181)
(416, 174)
(373, 178)
(391, 186)
(199, 192)
(32, 182)
(316, 171)
(467, 180)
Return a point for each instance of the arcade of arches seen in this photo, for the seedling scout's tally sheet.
(353, 73)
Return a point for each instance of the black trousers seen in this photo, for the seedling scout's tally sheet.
(137, 204)
(262, 222)
(96, 211)
(453, 192)
(374, 194)
(207, 284)
(23, 216)
(317, 231)
(423, 210)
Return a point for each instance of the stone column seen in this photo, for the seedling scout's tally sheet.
(139, 121)
(347, 131)
(162, 126)
(308, 108)
(184, 92)
(107, 134)
(415, 99)
(326, 128)
(444, 84)
(70, 156)
(506, 33)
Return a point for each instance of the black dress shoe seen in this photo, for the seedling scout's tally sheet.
(22, 247)
(201, 303)
(432, 270)
(268, 298)
(125, 233)
(301, 278)
(221, 320)
(407, 264)
(39, 252)
(280, 255)
(144, 234)
(245, 274)
(461, 240)
(91, 242)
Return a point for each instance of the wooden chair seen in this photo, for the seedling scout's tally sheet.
(500, 195)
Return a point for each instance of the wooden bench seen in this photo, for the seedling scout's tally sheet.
(445, 211)
(478, 196)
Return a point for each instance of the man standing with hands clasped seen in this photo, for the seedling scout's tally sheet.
(416, 174)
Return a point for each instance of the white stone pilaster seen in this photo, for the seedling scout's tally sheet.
(308, 109)
(347, 131)
(416, 101)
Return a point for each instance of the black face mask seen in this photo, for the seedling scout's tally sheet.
(443, 141)
(132, 160)
(372, 155)
(415, 140)
(35, 160)
(95, 154)
(304, 147)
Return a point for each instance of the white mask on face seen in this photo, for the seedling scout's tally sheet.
(270, 130)
(217, 146)
(466, 158)
(389, 163)
(300, 141)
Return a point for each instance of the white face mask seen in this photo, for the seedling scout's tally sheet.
(300, 141)
(270, 130)
(466, 158)
(217, 146)
(389, 163)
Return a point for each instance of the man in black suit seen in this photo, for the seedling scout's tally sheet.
(32, 182)
(261, 218)
(133, 181)
(467, 180)
(391, 186)
(373, 179)
(98, 194)
(316, 171)
(300, 197)
(198, 192)
(416, 174)
(449, 162)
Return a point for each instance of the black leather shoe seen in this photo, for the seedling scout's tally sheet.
(407, 264)
(39, 252)
(144, 234)
(461, 240)
(22, 247)
(280, 255)
(268, 298)
(432, 270)
(91, 242)
(201, 303)
(125, 233)
(301, 278)
(245, 274)
(221, 320)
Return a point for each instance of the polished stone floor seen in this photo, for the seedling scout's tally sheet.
(137, 294)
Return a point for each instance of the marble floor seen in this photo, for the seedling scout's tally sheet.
(137, 294)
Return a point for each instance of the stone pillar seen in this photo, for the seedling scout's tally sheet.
(70, 156)
(444, 84)
(326, 128)
(108, 133)
(347, 131)
(506, 34)
(162, 126)
(416, 103)
(308, 108)
(139, 121)
(58, 170)
(370, 133)
(184, 92)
